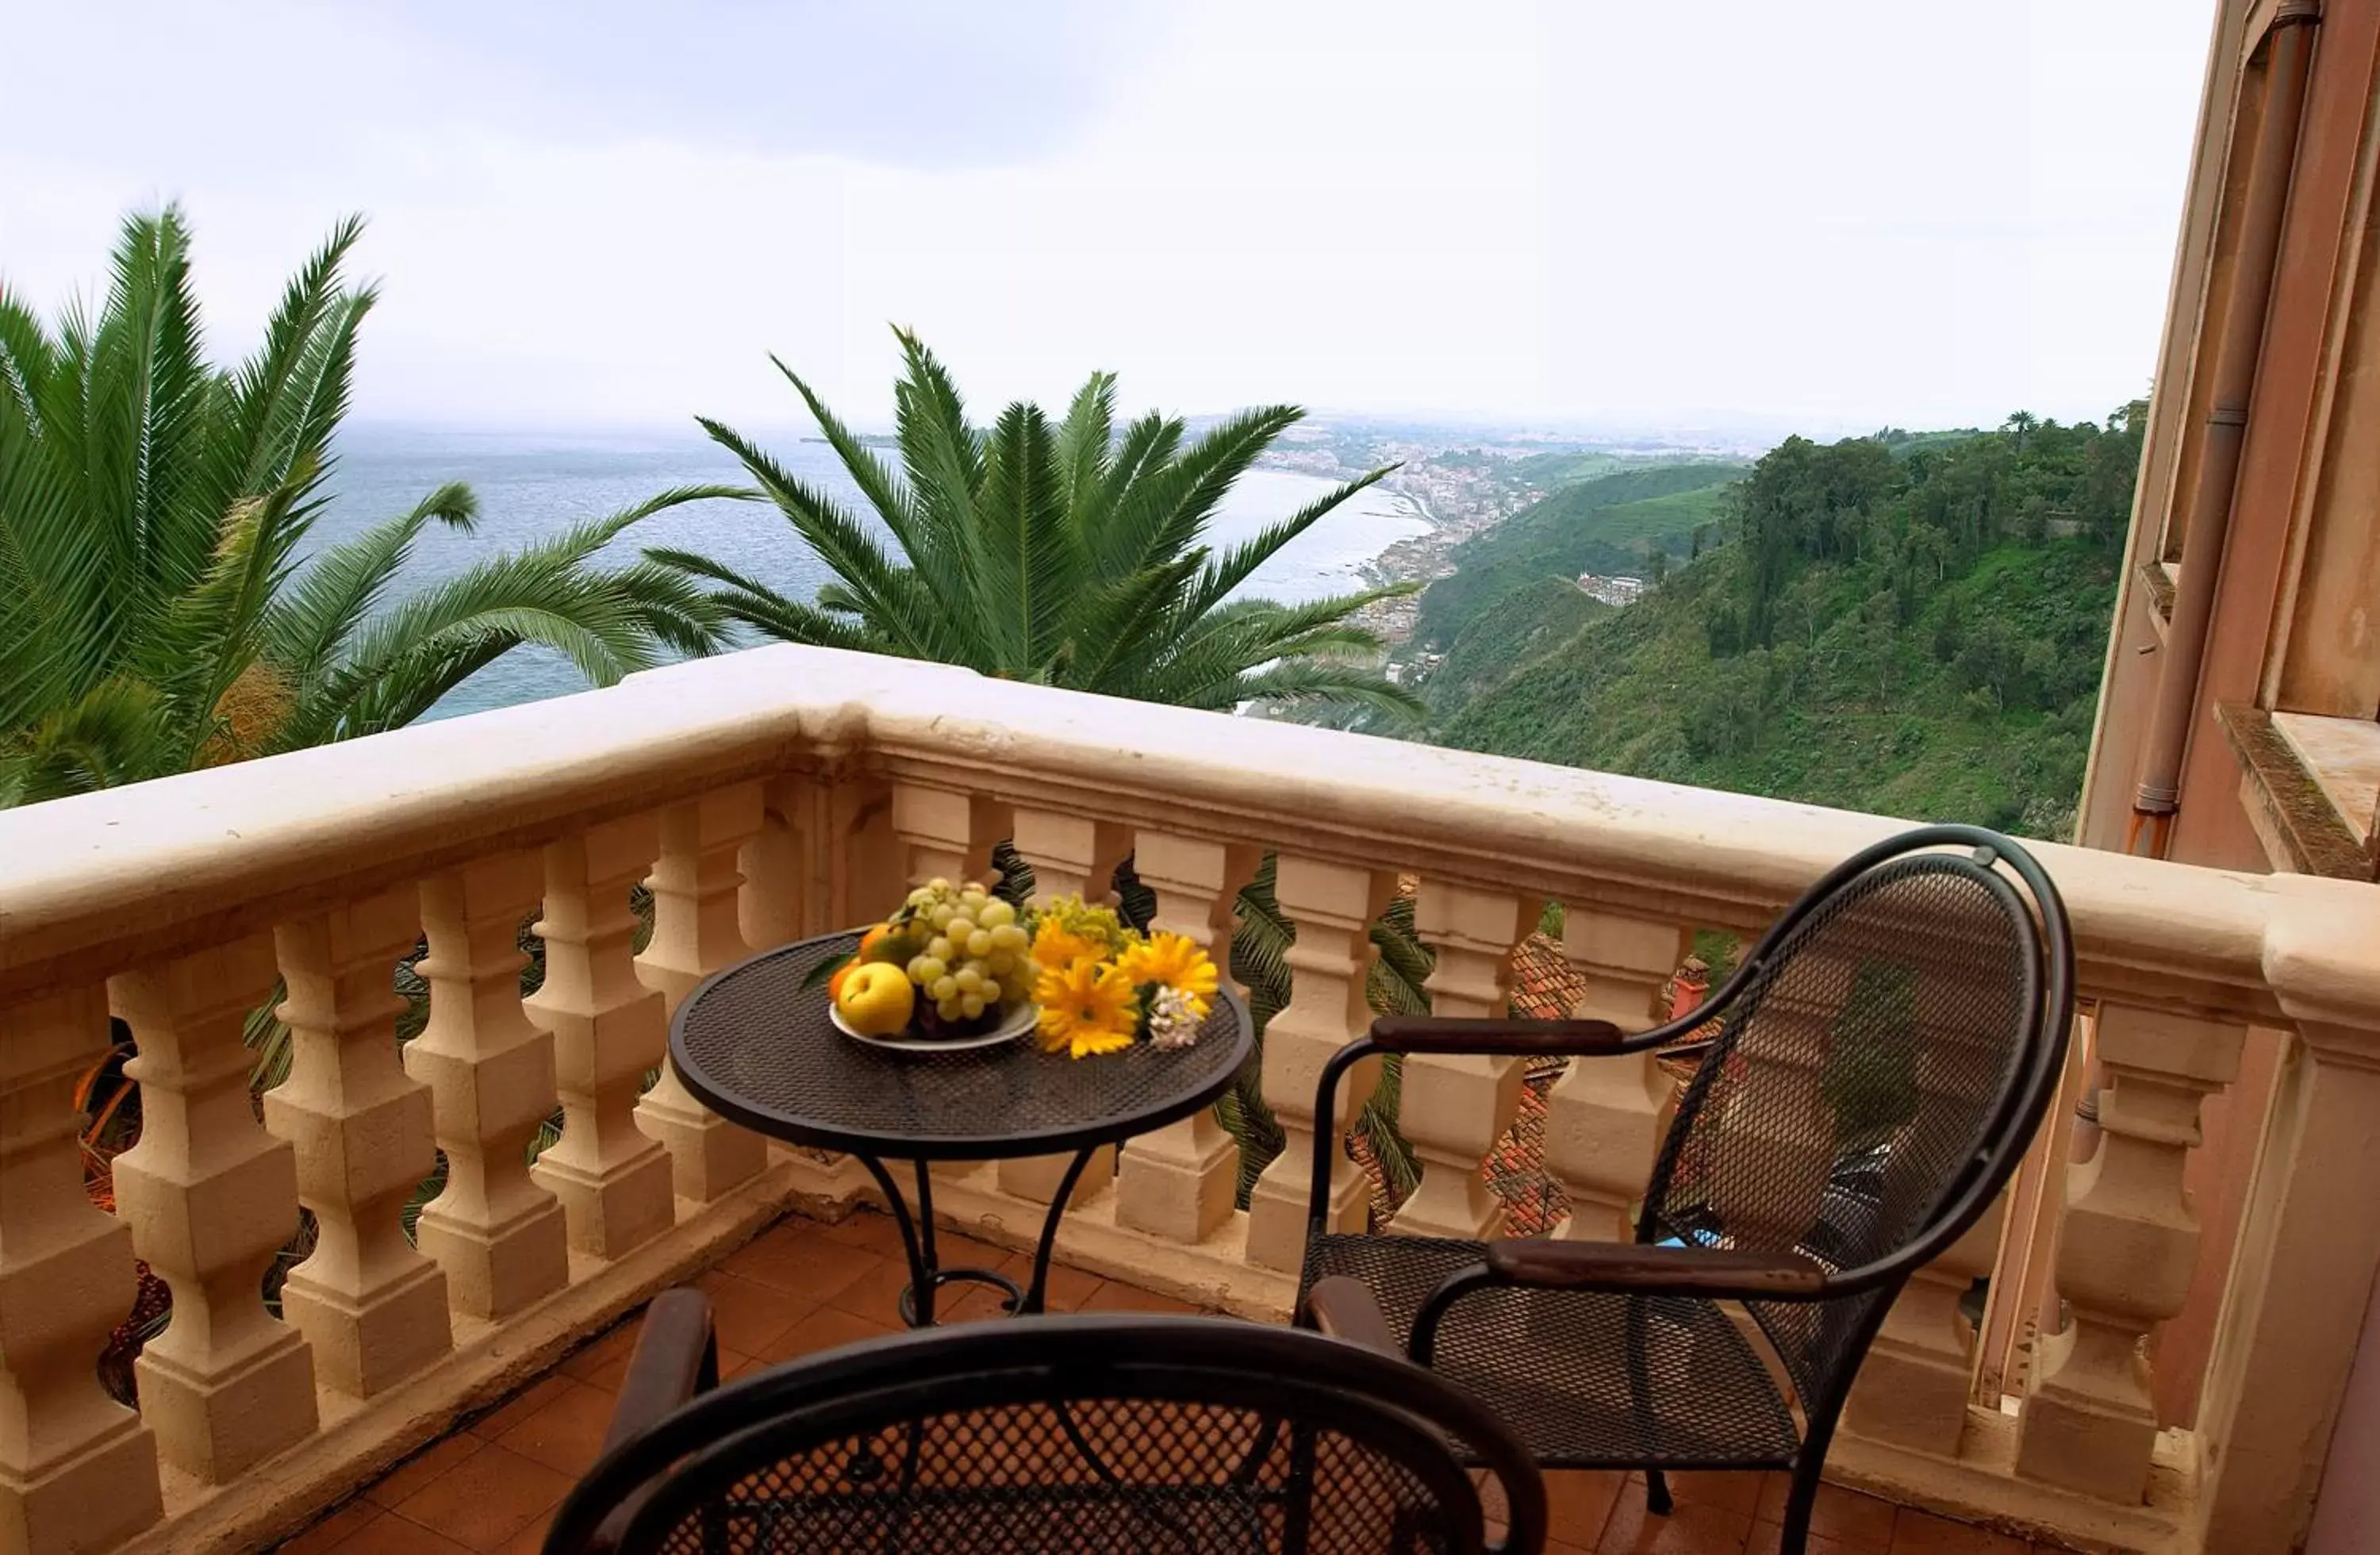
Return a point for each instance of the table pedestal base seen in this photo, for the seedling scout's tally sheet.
(925, 1274)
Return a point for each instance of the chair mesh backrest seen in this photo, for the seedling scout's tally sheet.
(1066, 1434)
(1081, 1474)
(1852, 1083)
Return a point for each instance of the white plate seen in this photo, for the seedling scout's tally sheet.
(1020, 1021)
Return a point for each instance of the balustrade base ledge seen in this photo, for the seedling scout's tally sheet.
(280, 1496)
(1980, 1486)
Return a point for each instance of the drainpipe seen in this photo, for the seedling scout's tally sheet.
(2240, 346)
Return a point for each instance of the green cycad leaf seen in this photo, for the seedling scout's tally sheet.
(309, 625)
(1025, 563)
(1083, 445)
(1232, 568)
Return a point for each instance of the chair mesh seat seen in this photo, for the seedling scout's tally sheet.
(1557, 1365)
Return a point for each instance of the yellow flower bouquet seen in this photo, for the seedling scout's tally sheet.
(958, 961)
(1102, 986)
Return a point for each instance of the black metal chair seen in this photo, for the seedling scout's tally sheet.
(1188, 1436)
(1872, 1074)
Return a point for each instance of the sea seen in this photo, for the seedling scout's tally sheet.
(532, 484)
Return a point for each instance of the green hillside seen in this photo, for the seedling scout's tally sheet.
(1605, 525)
(1533, 619)
(1920, 636)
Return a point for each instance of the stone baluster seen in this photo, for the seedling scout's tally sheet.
(694, 933)
(1453, 1108)
(1070, 856)
(944, 834)
(77, 1470)
(1605, 1116)
(1179, 1181)
(1332, 907)
(1914, 1386)
(211, 1198)
(775, 905)
(609, 1031)
(1919, 1377)
(372, 1305)
(497, 1235)
(2126, 1250)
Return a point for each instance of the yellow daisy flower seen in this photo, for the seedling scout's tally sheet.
(1055, 946)
(1173, 961)
(1086, 1008)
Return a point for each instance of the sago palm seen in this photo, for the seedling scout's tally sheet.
(158, 610)
(1059, 551)
(1064, 553)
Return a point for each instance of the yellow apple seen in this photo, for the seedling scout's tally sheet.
(876, 998)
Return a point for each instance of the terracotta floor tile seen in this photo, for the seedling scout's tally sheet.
(746, 1315)
(327, 1532)
(1114, 1295)
(823, 1329)
(446, 1452)
(864, 1228)
(566, 1435)
(875, 1296)
(1696, 1528)
(1579, 1503)
(1556, 1547)
(1068, 1288)
(1922, 1533)
(809, 1267)
(521, 1405)
(392, 1534)
(1767, 1539)
(972, 1304)
(606, 1360)
(530, 1540)
(1731, 1492)
(487, 1499)
(954, 1249)
(1862, 1522)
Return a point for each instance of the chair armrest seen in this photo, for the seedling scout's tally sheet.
(1493, 1034)
(676, 1358)
(1345, 1308)
(1632, 1267)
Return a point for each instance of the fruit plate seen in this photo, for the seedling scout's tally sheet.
(1019, 1021)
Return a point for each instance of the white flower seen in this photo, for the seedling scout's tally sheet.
(1174, 1019)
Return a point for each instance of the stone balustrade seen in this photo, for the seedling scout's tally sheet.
(789, 791)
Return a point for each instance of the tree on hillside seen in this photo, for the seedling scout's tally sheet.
(156, 613)
(2020, 423)
(1061, 552)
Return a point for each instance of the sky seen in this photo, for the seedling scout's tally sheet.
(1579, 214)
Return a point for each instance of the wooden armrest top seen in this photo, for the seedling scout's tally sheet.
(1627, 1266)
(1345, 1308)
(1492, 1034)
(673, 1361)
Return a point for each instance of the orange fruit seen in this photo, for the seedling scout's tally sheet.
(834, 984)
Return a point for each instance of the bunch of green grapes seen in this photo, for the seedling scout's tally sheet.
(976, 957)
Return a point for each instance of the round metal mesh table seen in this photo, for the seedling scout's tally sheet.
(753, 1044)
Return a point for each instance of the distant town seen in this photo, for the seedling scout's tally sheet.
(1461, 482)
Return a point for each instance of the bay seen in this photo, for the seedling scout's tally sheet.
(532, 485)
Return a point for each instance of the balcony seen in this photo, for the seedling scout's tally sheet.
(2129, 1379)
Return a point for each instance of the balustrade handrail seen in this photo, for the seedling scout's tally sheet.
(97, 883)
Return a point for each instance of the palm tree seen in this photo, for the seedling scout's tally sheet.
(157, 611)
(1059, 552)
(1066, 555)
(2020, 423)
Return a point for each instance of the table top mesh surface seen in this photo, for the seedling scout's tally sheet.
(756, 1046)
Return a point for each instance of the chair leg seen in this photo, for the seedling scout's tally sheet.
(1795, 1537)
(1657, 1493)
